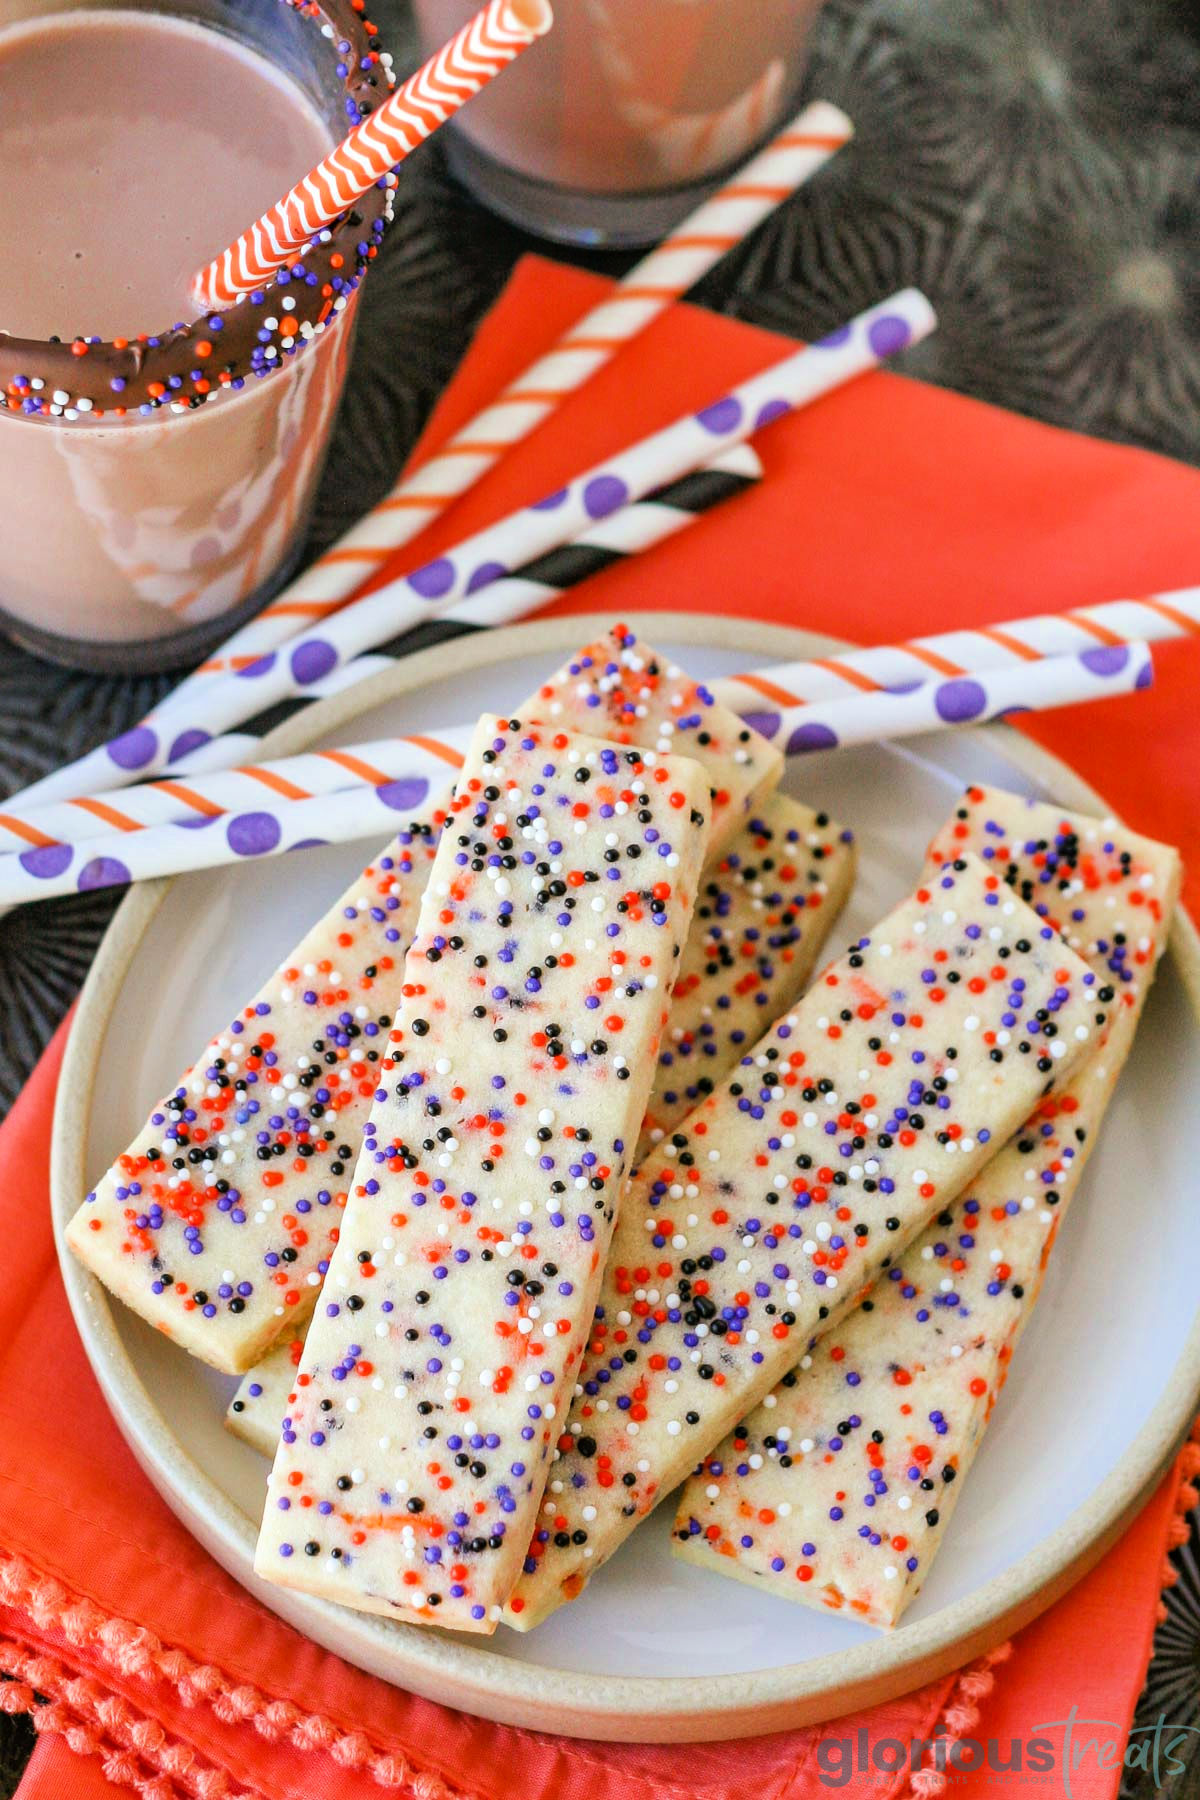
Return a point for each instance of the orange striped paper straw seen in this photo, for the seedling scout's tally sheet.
(476, 55)
(230, 816)
(335, 795)
(665, 273)
(410, 762)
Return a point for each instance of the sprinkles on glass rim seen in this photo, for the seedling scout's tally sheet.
(838, 1490)
(179, 368)
(760, 1221)
(459, 1297)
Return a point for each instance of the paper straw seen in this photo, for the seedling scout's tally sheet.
(865, 717)
(271, 828)
(626, 533)
(304, 668)
(719, 224)
(153, 803)
(279, 821)
(472, 58)
(1105, 630)
(779, 700)
(557, 518)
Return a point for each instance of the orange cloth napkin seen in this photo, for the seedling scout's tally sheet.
(891, 507)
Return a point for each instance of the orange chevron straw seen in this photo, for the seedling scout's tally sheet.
(472, 58)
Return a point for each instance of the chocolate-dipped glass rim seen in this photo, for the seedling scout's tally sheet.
(178, 369)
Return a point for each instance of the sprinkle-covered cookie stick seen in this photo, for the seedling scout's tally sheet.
(257, 1408)
(763, 913)
(216, 1224)
(760, 1221)
(762, 919)
(838, 1489)
(252, 1260)
(448, 1334)
(621, 688)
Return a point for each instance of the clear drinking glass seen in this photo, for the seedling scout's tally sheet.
(612, 127)
(137, 543)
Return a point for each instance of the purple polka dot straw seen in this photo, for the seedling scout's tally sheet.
(907, 709)
(361, 787)
(117, 858)
(432, 590)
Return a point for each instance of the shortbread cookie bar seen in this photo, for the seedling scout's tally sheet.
(446, 1340)
(838, 1490)
(762, 1219)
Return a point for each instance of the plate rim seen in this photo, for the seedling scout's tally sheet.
(472, 1676)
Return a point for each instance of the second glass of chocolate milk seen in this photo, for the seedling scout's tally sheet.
(612, 128)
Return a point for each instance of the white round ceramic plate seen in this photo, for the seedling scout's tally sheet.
(1103, 1388)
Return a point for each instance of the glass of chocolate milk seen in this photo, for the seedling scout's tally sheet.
(157, 467)
(615, 125)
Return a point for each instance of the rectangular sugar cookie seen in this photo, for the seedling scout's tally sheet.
(209, 1265)
(762, 916)
(218, 1221)
(256, 1410)
(764, 1216)
(622, 689)
(457, 1303)
(837, 1490)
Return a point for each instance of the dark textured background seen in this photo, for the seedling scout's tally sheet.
(1031, 164)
